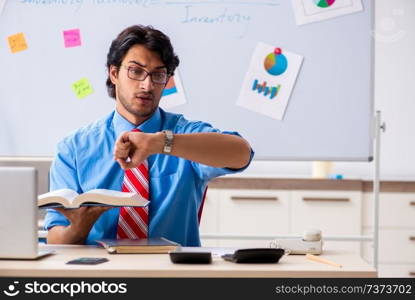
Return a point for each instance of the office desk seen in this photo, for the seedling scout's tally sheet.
(159, 265)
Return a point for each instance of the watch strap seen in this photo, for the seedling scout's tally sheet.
(168, 142)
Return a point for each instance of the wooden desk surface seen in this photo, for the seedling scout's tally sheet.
(159, 265)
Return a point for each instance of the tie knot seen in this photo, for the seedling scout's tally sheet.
(136, 130)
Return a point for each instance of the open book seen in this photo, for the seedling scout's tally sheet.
(149, 245)
(100, 197)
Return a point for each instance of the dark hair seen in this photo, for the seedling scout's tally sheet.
(151, 38)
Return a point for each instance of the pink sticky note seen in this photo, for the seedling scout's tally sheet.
(72, 38)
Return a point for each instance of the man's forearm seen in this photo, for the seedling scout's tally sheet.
(213, 149)
(71, 234)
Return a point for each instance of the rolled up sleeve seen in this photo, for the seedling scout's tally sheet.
(62, 175)
(206, 172)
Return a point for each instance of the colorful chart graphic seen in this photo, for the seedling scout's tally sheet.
(170, 87)
(266, 90)
(324, 3)
(276, 63)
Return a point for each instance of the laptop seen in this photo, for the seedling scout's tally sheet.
(19, 214)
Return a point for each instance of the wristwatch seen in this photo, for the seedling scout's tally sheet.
(168, 142)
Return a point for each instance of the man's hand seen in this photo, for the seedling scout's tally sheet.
(132, 148)
(82, 219)
(86, 214)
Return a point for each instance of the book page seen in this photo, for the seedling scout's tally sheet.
(68, 194)
(63, 196)
(110, 193)
(110, 197)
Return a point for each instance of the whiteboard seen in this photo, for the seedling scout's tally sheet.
(329, 115)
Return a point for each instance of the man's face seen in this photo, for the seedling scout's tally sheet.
(137, 100)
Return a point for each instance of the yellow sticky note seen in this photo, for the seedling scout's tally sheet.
(82, 88)
(17, 42)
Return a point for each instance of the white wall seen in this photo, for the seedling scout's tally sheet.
(394, 96)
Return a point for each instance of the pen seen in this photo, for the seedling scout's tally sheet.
(322, 260)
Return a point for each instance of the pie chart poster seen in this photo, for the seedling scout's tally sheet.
(309, 11)
(270, 80)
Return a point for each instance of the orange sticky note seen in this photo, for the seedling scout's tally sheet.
(17, 42)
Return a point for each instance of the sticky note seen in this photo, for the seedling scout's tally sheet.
(17, 42)
(82, 88)
(72, 38)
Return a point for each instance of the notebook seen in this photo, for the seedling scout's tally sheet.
(149, 245)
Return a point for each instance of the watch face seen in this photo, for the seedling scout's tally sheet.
(167, 149)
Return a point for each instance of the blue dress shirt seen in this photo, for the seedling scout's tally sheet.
(84, 161)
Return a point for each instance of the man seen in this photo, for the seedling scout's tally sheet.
(175, 158)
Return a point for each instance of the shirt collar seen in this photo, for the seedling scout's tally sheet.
(151, 125)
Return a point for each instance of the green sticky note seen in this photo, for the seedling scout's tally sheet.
(82, 88)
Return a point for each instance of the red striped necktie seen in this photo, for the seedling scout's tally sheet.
(133, 221)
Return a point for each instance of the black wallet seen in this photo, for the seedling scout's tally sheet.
(255, 255)
(183, 257)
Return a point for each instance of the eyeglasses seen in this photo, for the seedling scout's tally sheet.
(139, 74)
